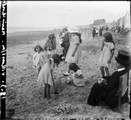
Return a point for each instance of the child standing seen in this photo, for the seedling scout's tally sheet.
(46, 74)
(50, 44)
(39, 57)
(107, 52)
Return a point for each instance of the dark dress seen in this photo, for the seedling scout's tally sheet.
(93, 32)
(65, 44)
(107, 92)
(100, 31)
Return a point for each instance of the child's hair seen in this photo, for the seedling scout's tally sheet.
(108, 37)
(74, 67)
(56, 58)
(51, 42)
(38, 46)
(51, 36)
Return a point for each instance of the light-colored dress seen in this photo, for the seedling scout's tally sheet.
(77, 80)
(106, 54)
(44, 76)
(74, 41)
(39, 59)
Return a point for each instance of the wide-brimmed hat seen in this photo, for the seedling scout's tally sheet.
(123, 57)
(73, 29)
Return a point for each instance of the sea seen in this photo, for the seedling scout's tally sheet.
(26, 29)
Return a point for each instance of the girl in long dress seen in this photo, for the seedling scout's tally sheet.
(107, 52)
(45, 76)
(74, 51)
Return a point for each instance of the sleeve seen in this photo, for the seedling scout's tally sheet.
(77, 40)
(34, 55)
(122, 72)
(112, 46)
(34, 59)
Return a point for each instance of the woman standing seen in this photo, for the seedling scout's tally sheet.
(74, 51)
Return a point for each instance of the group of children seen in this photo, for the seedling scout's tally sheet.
(45, 60)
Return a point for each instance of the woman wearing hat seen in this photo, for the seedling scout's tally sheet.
(74, 51)
(106, 89)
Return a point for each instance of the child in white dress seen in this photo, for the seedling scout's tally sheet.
(39, 57)
(107, 52)
(46, 74)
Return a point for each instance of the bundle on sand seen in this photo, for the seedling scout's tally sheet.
(63, 109)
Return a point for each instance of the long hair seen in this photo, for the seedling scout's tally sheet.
(51, 42)
(38, 46)
(108, 37)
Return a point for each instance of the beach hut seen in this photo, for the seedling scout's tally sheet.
(127, 21)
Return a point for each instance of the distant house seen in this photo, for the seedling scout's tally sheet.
(99, 22)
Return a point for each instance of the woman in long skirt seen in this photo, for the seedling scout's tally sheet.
(74, 51)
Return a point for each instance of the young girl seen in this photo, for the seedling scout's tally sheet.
(39, 57)
(50, 44)
(46, 74)
(107, 51)
(76, 75)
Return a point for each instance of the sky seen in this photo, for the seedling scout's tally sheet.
(63, 13)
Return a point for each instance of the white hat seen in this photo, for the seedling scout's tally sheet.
(73, 29)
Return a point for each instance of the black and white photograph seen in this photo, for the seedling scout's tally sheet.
(68, 60)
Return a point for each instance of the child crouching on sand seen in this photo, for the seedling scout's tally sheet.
(39, 57)
(46, 74)
(76, 75)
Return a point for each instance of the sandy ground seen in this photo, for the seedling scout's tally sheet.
(25, 95)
